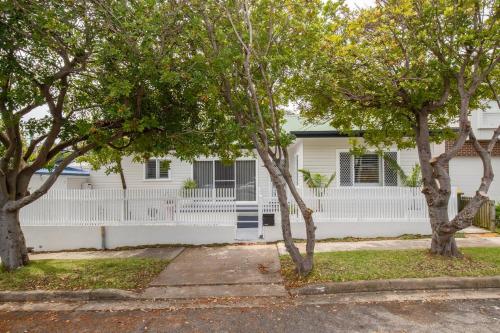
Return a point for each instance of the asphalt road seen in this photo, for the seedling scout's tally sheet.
(472, 315)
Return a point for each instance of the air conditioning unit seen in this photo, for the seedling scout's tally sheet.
(86, 186)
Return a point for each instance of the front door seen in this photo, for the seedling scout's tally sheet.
(240, 176)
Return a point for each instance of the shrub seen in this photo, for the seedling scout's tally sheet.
(189, 184)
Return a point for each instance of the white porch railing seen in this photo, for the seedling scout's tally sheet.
(98, 207)
(362, 204)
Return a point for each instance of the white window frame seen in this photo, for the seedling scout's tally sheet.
(381, 168)
(297, 168)
(158, 160)
(214, 159)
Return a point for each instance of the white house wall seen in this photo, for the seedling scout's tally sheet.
(62, 182)
(135, 176)
(320, 154)
(179, 172)
(466, 173)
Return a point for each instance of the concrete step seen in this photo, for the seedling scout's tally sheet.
(243, 225)
(247, 208)
(248, 218)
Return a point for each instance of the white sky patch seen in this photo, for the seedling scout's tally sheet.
(38, 113)
(355, 4)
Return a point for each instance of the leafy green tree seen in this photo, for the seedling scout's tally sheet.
(109, 73)
(251, 48)
(403, 71)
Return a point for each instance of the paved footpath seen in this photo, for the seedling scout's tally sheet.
(392, 244)
(168, 253)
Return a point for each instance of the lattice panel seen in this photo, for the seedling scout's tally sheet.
(390, 173)
(345, 169)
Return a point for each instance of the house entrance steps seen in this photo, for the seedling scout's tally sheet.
(247, 224)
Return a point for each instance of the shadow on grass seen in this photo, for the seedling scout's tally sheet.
(127, 273)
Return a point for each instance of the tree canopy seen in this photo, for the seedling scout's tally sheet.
(407, 73)
(377, 67)
(110, 74)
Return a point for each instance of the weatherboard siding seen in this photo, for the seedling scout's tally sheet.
(320, 154)
(135, 176)
(179, 172)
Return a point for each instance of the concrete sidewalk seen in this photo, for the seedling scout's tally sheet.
(168, 253)
(391, 244)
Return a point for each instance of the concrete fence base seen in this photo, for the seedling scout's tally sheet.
(57, 238)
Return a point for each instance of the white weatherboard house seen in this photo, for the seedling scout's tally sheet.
(233, 202)
(466, 168)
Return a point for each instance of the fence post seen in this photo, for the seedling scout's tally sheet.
(460, 204)
(492, 215)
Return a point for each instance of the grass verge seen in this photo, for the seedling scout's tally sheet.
(392, 264)
(127, 274)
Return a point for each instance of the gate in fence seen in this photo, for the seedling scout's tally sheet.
(485, 217)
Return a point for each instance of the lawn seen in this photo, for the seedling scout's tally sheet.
(392, 264)
(128, 274)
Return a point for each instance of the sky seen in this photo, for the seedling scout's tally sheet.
(43, 110)
(360, 3)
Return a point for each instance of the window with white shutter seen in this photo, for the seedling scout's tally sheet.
(151, 169)
(367, 169)
(157, 169)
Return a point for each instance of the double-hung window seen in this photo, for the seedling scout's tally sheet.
(240, 176)
(157, 169)
(370, 169)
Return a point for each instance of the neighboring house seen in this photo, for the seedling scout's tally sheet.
(466, 169)
(72, 177)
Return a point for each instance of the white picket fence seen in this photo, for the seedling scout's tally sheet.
(65, 207)
(217, 207)
(361, 204)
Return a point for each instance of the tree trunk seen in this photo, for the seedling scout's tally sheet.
(308, 261)
(443, 238)
(122, 174)
(444, 244)
(302, 265)
(12, 245)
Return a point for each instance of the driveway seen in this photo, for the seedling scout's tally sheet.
(234, 270)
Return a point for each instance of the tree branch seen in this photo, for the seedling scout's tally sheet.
(18, 204)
